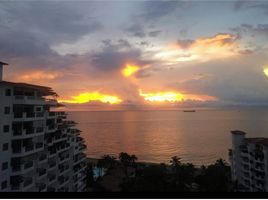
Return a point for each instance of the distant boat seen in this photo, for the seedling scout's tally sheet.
(189, 111)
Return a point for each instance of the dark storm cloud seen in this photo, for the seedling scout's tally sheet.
(242, 5)
(114, 56)
(154, 33)
(257, 30)
(29, 28)
(154, 10)
(136, 30)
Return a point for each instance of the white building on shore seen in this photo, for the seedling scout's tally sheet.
(39, 149)
(249, 162)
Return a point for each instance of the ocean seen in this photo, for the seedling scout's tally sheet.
(199, 137)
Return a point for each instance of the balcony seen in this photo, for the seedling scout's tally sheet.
(52, 153)
(79, 177)
(22, 168)
(28, 116)
(23, 186)
(52, 178)
(42, 158)
(79, 158)
(63, 147)
(41, 173)
(64, 158)
(50, 115)
(26, 150)
(52, 166)
(27, 133)
(64, 169)
(51, 128)
(63, 180)
(41, 187)
(51, 189)
(79, 168)
(22, 99)
(60, 138)
(39, 145)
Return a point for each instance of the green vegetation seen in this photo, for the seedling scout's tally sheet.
(128, 175)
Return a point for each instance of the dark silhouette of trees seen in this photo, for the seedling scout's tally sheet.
(89, 175)
(150, 179)
(182, 176)
(127, 160)
(215, 177)
(108, 161)
(176, 177)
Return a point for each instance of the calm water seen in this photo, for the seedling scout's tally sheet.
(156, 136)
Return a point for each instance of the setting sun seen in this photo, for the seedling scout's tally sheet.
(162, 96)
(265, 71)
(129, 70)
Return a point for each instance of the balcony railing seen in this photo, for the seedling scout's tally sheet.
(52, 177)
(27, 115)
(52, 165)
(42, 157)
(20, 168)
(34, 98)
(28, 132)
(42, 172)
(39, 145)
(25, 150)
(28, 182)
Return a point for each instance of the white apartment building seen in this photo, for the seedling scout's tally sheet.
(249, 162)
(40, 151)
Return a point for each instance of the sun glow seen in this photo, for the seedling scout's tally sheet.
(92, 96)
(162, 96)
(265, 71)
(129, 70)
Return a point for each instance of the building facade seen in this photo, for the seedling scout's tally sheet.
(249, 162)
(40, 150)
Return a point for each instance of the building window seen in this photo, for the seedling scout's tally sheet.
(4, 166)
(7, 110)
(6, 128)
(5, 147)
(4, 185)
(8, 92)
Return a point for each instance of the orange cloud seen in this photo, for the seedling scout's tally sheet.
(202, 49)
(38, 76)
(92, 96)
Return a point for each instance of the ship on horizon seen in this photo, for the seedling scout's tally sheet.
(189, 110)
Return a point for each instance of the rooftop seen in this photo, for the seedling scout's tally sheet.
(260, 140)
(2, 63)
(45, 90)
(237, 132)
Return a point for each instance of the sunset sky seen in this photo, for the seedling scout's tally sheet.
(138, 54)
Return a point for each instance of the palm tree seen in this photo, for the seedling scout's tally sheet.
(133, 160)
(108, 161)
(127, 160)
(175, 161)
